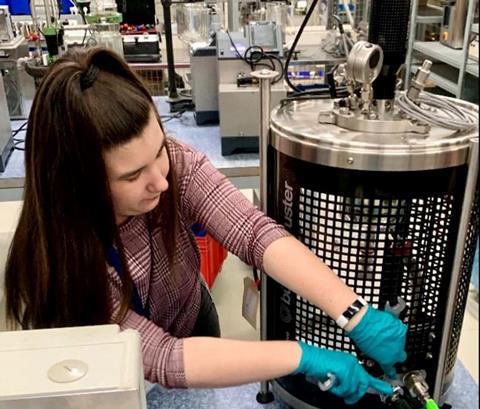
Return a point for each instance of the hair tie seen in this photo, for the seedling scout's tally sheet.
(88, 77)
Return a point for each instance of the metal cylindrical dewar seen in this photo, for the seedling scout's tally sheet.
(376, 146)
(382, 207)
(453, 291)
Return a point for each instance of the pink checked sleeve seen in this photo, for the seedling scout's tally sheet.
(162, 353)
(211, 200)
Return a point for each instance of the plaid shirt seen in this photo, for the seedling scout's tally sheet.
(206, 197)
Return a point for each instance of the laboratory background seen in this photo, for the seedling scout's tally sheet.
(353, 123)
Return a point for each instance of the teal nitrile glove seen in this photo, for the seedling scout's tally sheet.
(351, 380)
(382, 337)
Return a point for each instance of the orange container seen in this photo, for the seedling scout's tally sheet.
(212, 255)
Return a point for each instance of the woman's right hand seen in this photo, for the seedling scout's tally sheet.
(351, 380)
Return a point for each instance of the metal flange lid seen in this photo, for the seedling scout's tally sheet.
(297, 131)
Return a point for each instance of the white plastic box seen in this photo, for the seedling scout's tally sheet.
(71, 368)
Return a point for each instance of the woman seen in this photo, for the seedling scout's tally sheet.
(105, 236)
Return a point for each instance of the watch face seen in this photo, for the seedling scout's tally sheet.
(353, 309)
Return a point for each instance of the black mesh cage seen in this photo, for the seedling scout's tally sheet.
(388, 27)
(387, 235)
(462, 289)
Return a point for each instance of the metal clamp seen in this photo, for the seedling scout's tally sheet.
(355, 121)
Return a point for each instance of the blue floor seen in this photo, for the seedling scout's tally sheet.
(463, 394)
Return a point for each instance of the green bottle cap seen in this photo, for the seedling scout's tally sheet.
(431, 404)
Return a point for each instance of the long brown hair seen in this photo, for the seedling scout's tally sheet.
(56, 272)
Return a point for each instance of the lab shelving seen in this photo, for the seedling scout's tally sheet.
(450, 65)
(429, 15)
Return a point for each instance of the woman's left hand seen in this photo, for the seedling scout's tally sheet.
(382, 337)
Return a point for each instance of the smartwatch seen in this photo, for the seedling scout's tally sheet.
(352, 309)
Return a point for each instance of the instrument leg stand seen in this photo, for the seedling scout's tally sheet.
(265, 395)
